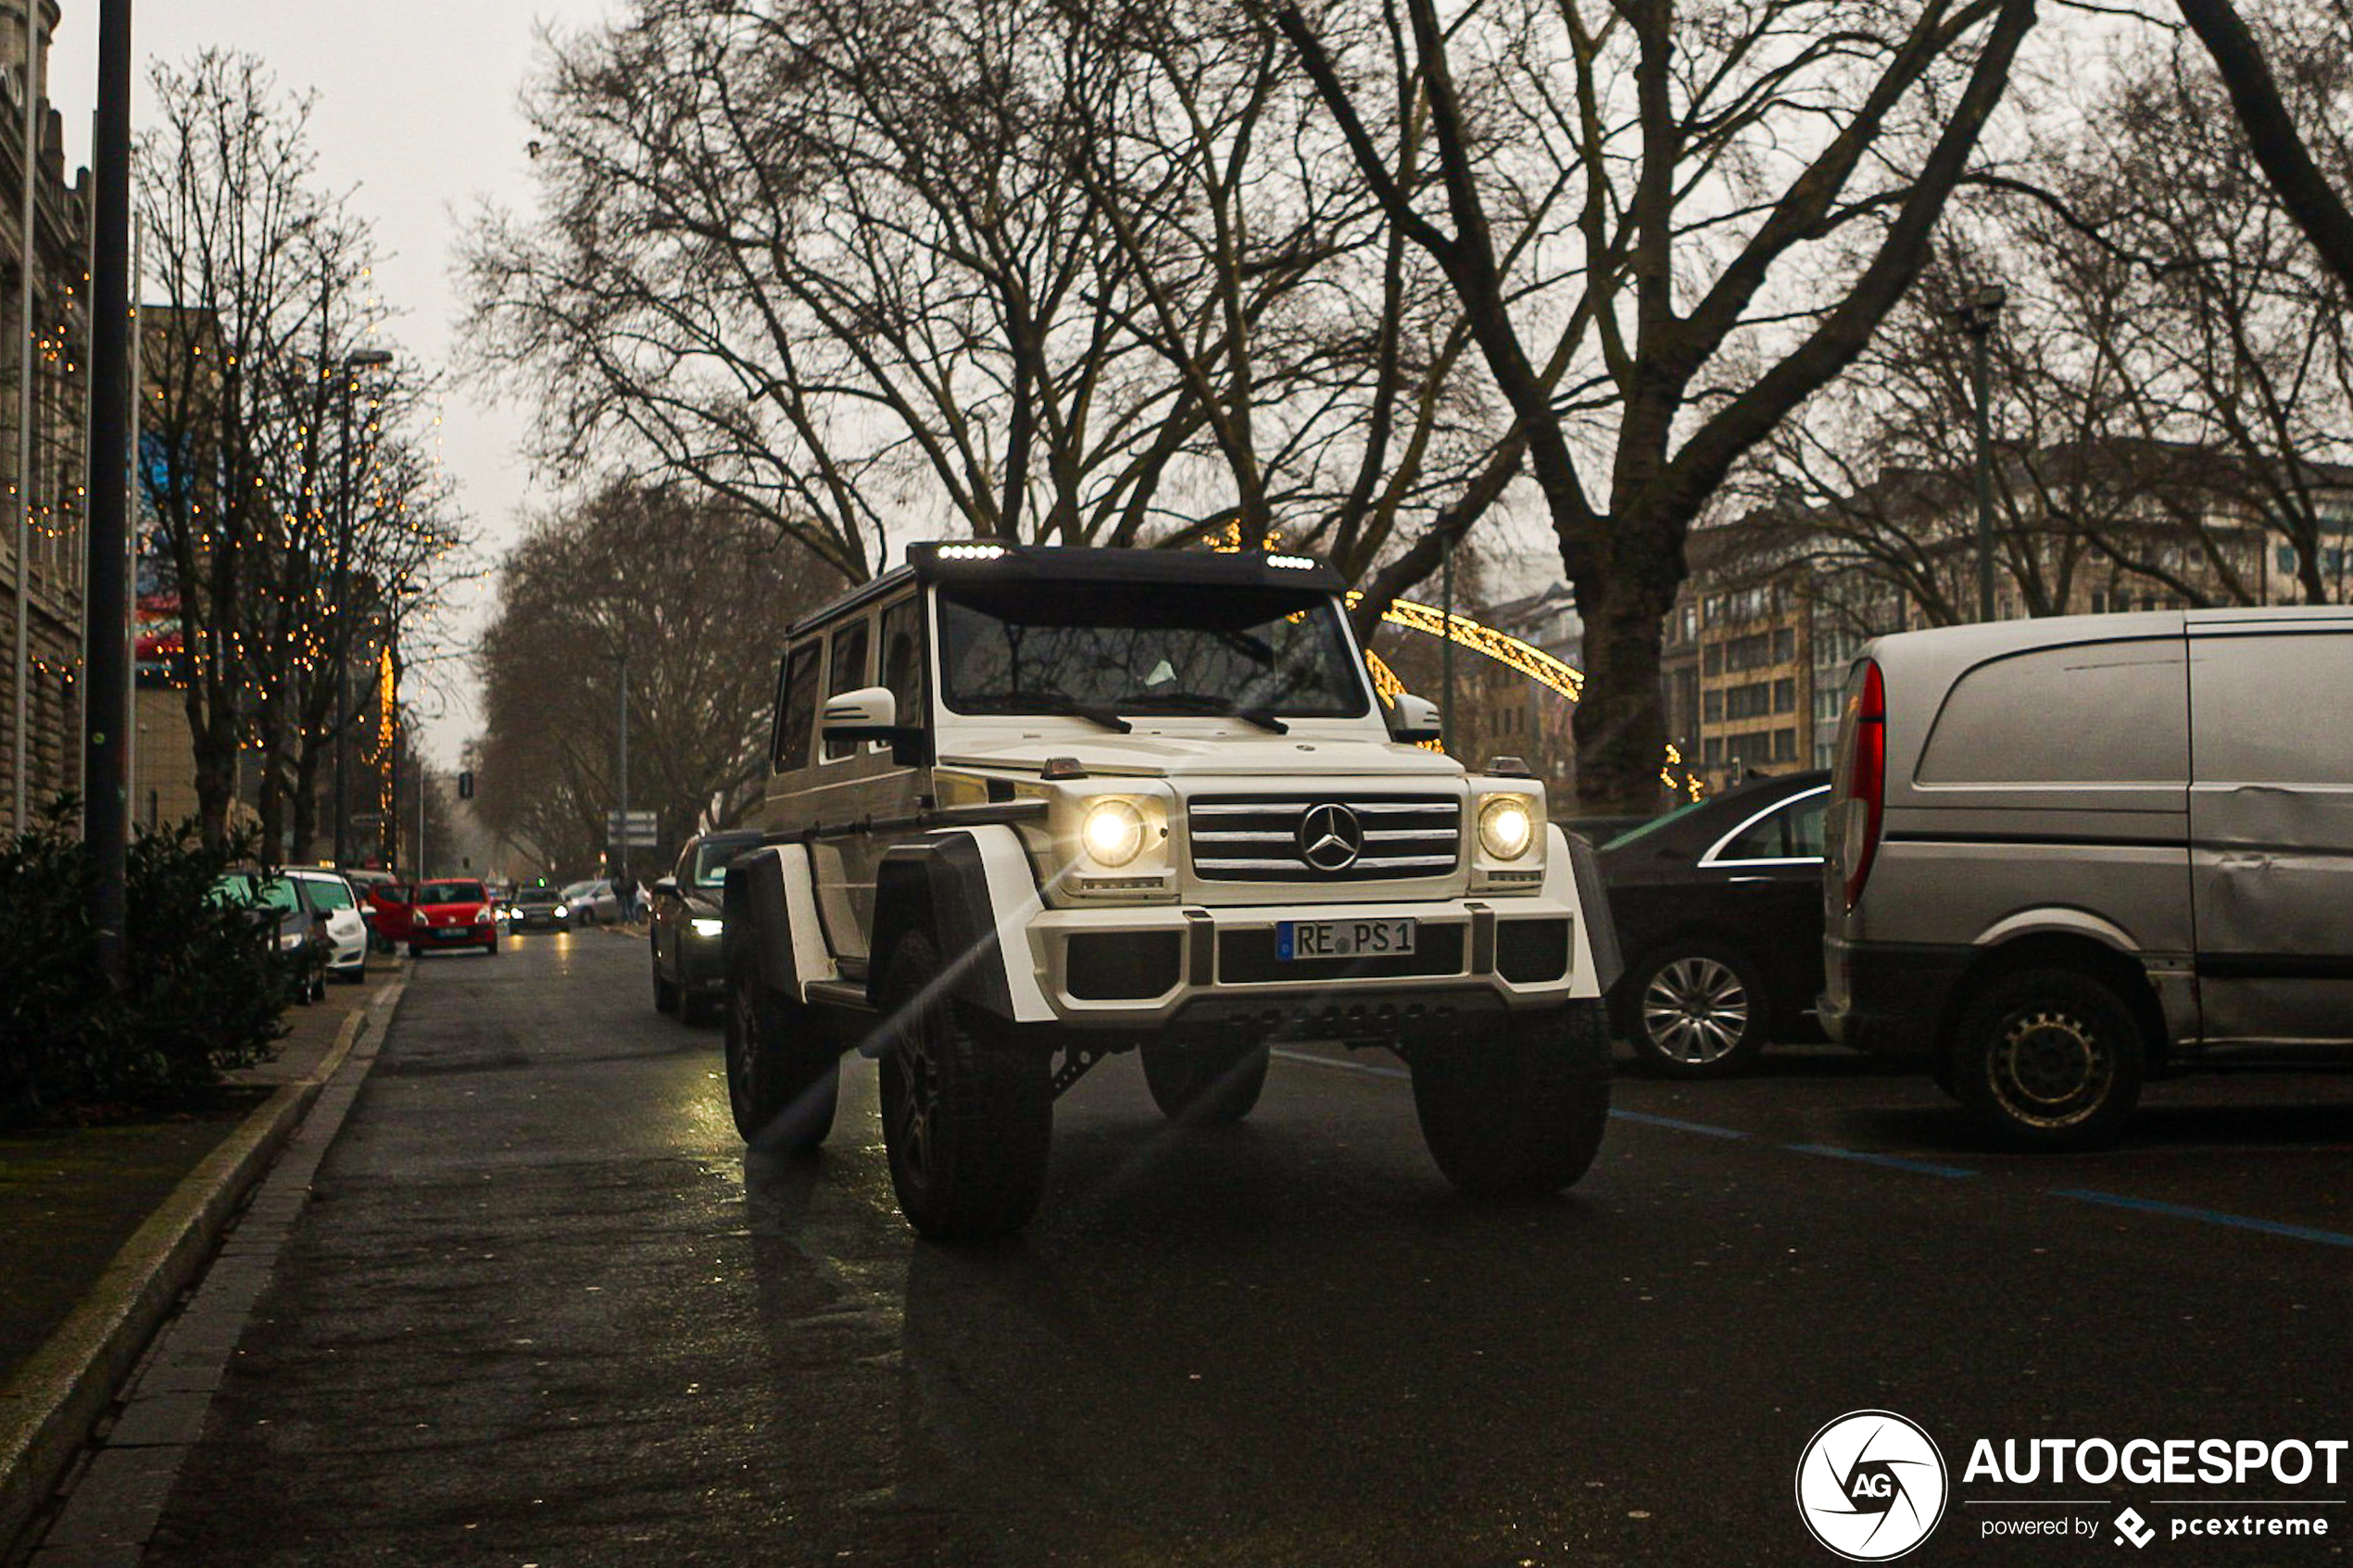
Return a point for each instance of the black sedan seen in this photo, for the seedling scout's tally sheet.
(687, 924)
(1718, 906)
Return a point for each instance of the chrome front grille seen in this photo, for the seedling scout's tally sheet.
(1259, 838)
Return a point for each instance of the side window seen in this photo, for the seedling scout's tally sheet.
(2088, 713)
(2263, 706)
(1793, 832)
(1806, 825)
(902, 658)
(796, 708)
(846, 672)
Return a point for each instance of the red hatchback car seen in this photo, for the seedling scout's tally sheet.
(450, 915)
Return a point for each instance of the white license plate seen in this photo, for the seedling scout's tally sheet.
(454, 935)
(1342, 938)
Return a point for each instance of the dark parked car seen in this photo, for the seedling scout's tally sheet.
(689, 972)
(1718, 908)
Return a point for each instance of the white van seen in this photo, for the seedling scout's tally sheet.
(2065, 854)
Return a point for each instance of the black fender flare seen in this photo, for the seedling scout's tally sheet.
(758, 928)
(942, 884)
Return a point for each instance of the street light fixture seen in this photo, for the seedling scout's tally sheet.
(353, 363)
(1976, 318)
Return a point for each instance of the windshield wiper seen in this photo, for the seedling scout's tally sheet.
(1203, 702)
(1061, 702)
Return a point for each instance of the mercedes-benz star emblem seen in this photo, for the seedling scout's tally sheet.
(1330, 838)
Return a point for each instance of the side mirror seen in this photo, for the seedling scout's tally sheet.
(1414, 720)
(871, 713)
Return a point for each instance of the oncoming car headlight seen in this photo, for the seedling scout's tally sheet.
(705, 927)
(1113, 830)
(1506, 826)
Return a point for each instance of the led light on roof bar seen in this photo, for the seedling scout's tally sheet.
(1297, 563)
(971, 552)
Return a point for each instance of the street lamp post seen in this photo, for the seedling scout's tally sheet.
(1976, 318)
(353, 363)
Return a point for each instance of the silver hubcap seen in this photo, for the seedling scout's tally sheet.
(1696, 1011)
(2051, 1067)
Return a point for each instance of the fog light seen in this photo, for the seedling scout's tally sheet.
(1113, 831)
(1506, 827)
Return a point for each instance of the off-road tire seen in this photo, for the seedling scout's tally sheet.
(968, 1121)
(1520, 1114)
(2049, 1059)
(784, 1076)
(1722, 1038)
(1204, 1086)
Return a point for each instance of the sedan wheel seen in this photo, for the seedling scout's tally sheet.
(1699, 1012)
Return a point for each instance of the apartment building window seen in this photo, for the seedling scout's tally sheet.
(1784, 645)
(1785, 696)
(1784, 746)
(1715, 751)
(1752, 702)
(1714, 659)
(1712, 706)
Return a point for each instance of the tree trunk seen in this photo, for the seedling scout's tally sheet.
(1619, 725)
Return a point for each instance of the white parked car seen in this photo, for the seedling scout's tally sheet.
(592, 902)
(331, 896)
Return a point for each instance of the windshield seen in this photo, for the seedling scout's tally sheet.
(710, 861)
(244, 887)
(1158, 649)
(328, 892)
(450, 892)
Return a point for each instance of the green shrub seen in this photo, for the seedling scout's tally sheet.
(203, 988)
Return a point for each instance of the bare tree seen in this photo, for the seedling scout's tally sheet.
(686, 584)
(1748, 190)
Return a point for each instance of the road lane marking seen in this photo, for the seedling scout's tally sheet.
(1647, 1120)
(1338, 1065)
(2208, 1216)
(1892, 1161)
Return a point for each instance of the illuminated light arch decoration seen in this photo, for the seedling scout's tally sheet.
(1514, 653)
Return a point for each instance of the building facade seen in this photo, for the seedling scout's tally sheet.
(40, 590)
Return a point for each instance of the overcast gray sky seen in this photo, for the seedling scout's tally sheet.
(416, 113)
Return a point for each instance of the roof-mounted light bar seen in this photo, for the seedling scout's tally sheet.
(1296, 563)
(972, 552)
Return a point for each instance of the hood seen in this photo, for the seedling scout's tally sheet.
(1193, 754)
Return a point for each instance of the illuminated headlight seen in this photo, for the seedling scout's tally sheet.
(562, 910)
(1506, 826)
(1113, 831)
(708, 928)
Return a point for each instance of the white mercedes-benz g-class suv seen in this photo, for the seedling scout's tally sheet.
(1030, 807)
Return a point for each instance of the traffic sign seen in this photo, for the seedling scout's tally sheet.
(639, 822)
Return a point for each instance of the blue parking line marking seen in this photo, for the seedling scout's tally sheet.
(2210, 1216)
(1313, 1060)
(1892, 1161)
(1701, 1127)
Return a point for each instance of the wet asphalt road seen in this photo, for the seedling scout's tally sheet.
(544, 1310)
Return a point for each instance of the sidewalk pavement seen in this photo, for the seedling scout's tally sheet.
(103, 1229)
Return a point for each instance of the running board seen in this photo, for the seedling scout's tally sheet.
(848, 993)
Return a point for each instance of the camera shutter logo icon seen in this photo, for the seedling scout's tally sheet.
(1872, 1486)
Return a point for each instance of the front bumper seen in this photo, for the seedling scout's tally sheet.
(702, 964)
(1168, 967)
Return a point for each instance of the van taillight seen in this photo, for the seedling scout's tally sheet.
(1864, 767)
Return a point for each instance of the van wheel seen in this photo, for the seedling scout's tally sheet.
(1695, 1010)
(1206, 1086)
(1519, 1115)
(784, 1077)
(2050, 1059)
(967, 1120)
(665, 993)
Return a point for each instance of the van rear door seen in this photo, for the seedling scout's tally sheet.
(2271, 823)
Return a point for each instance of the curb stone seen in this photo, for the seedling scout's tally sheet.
(48, 1411)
